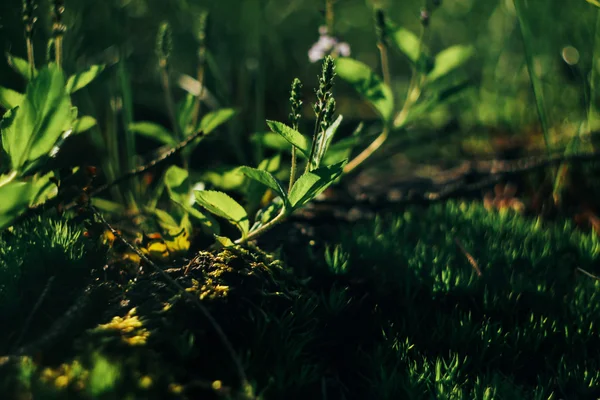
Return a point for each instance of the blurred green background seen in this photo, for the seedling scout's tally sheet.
(256, 47)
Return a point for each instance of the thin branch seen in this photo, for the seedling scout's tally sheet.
(588, 274)
(34, 310)
(140, 170)
(469, 257)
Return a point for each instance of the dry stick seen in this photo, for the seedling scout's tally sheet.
(469, 257)
(588, 274)
(34, 310)
(143, 168)
(188, 296)
(130, 174)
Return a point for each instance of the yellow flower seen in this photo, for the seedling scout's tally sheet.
(145, 382)
(61, 382)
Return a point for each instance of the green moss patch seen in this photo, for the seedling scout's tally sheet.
(447, 302)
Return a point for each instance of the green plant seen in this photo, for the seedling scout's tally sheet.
(37, 123)
(431, 83)
(315, 179)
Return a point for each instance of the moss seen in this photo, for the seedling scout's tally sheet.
(527, 317)
(394, 309)
(45, 262)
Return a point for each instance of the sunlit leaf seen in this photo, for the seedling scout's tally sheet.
(273, 141)
(185, 112)
(313, 183)
(291, 135)
(82, 79)
(15, 200)
(31, 130)
(255, 191)
(177, 183)
(449, 59)
(20, 65)
(594, 2)
(84, 123)
(224, 177)
(153, 131)
(368, 84)
(213, 120)
(224, 241)
(224, 206)
(10, 98)
(266, 178)
(407, 42)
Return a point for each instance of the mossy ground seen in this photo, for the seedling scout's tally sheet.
(394, 309)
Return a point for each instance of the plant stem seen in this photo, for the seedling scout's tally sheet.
(376, 144)
(166, 83)
(30, 57)
(366, 153)
(198, 104)
(292, 170)
(385, 64)
(329, 16)
(253, 235)
(58, 51)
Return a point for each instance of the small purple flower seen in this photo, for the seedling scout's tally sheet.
(327, 45)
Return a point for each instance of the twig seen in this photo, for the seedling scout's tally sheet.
(226, 343)
(34, 310)
(469, 257)
(588, 274)
(143, 168)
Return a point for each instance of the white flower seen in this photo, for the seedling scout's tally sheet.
(327, 45)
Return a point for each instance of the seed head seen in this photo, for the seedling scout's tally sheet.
(164, 44)
(29, 18)
(425, 17)
(295, 102)
(380, 25)
(58, 27)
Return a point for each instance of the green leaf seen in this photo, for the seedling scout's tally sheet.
(529, 40)
(176, 180)
(408, 43)
(368, 84)
(153, 131)
(10, 98)
(224, 177)
(177, 183)
(20, 65)
(84, 123)
(255, 191)
(83, 78)
(266, 178)
(273, 141)
(449, 59)
(594, 2)
(213, 120)
(15, 200)
(43, 189)
(224, 241)
(313, 183)
(323, 141)
(31, 130)
(444, 96)
(224, 206)
(185, 111)
(108, 206)
(291, 135)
